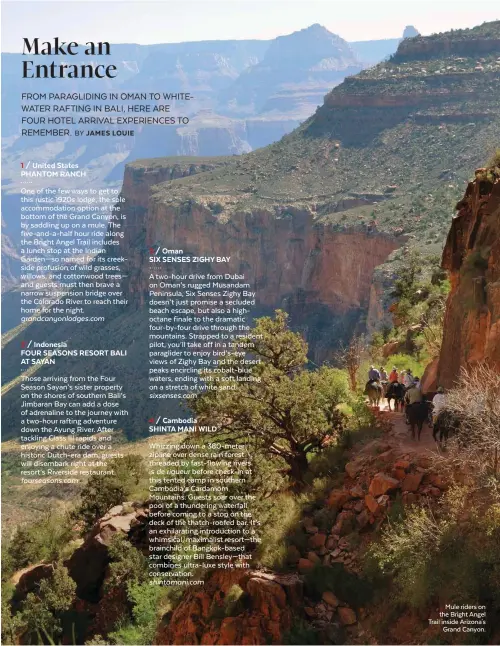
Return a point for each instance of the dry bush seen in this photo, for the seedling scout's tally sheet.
(349, 357)
(475, 449)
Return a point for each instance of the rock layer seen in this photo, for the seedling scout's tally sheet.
(289, 258)
(472, 256)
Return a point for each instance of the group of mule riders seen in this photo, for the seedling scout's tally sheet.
(406, 390)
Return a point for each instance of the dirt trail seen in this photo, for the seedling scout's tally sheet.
(400, 435)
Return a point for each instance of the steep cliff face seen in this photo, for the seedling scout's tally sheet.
(290, 257)
(472, 256)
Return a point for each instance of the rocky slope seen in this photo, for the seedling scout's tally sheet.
(259, 605)
(472, 257)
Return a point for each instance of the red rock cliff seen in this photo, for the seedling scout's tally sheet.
(289, 258)
(472, 256)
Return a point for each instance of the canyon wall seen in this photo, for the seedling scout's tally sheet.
(290, 259)
(422, 47)
(472, 257)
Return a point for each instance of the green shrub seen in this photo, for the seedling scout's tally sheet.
(128, 635)
(11, 623)
(142, 628)
(397, 512)
(232, 605)
(405, 361)
(42, 540)
(42, 612)
(287, 410)
(128, 565)
(277, 515)
(105, 491)
(324, 518)
(476, 263)
(448, 557)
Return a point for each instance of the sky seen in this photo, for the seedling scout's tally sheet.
(163, 21)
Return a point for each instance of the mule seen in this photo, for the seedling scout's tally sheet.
(446, 424)
(396, 391)
(417, 414)
(374, 391)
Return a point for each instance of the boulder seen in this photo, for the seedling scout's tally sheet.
(399, 474)
(393, 347)
(87, 565)
(412, 482)
(424, 461)
(354, 468)
(347, 616)
(337, 498)
(382, 483)
(429, 379)
(304, 565)
(372, 504)
(272, 601)
(330, 599)
(313, 557)
(437, 481)
(28, 579)
(265, 593)
(317, 540)
(331, 542)
(386, 456)
(344, 523)
(357, 492)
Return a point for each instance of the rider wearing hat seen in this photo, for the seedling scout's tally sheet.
(438, 403)
(393, 377)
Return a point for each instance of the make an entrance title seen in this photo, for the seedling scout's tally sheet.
(55, 70)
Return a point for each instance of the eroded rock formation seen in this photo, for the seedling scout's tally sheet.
(472, 256)
(87, 565)
(290, 258)
(209, 614)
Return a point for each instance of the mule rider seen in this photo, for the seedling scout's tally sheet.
(373, 374)
(438, 403)
(393, 377)
(383, 374)
(413, 396)
(408, 379)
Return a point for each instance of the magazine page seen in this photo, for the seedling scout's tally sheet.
(250, 322)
